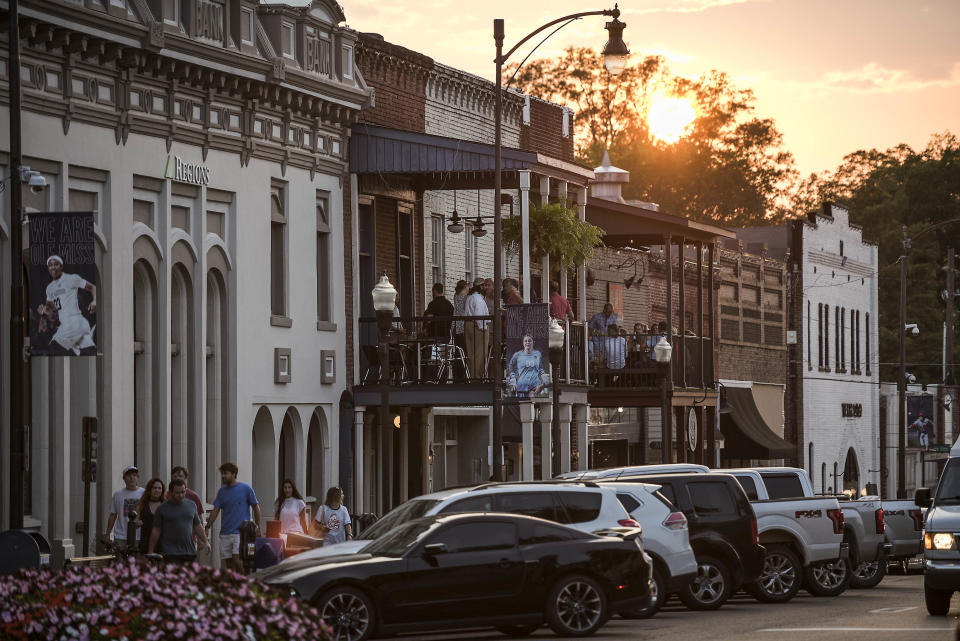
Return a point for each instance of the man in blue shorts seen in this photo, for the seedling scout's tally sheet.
(235, 500)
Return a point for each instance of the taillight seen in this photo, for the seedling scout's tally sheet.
(917, 517)
(878, 517)
(628, 523)
(754, 533)
(837, 517)
(676, 521)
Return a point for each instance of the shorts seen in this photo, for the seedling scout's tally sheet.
(229, 545)
(74, 333)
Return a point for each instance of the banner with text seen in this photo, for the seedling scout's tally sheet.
(62, 290)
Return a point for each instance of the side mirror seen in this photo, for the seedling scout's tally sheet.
(433, 549)
(922, 497)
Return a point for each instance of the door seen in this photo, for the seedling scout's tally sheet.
(714, 507)
(480, 573)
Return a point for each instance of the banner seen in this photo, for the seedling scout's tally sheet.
(527, 375)
(62, 293)
(921, 429)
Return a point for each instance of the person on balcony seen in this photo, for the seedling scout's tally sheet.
(459, 338)
(615, 348)
(525, 371)
(599, 326)
(511, 292)
(559, 305)
(441, 308)
(477, 331)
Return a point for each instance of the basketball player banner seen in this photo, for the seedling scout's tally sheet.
(63, 294)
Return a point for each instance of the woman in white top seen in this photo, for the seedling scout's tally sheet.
(290, 509)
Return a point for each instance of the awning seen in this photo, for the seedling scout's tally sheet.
(746, 435)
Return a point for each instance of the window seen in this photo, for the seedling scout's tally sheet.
(581, 506)
(171, 12)
(543, 533)
(469, 252)
(810, 460)
(538, 504)
(323, 257)
(711, 498)
(853, 341)
(826, 337)
(866, 328)
(749, 486)
(820, 335)
(246, 26)
(287, 41)
(436, 247)
(628, 501)
(278, 248)
(809, 348)
(836, 339)
(859, 362)
(477, 537)
(667, 491)
(783, 486)
(472, 504)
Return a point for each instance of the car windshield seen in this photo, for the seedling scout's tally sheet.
(398, 540)
(402, 514)
(948, 491)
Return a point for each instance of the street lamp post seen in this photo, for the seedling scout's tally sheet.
(556, 341)
(615, 54)
(662, 352)
(384, 299)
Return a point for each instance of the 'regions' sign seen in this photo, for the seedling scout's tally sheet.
(185, 172)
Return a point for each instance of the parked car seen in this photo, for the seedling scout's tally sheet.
(632, 470)
(903, 522)
(722, 531)
(666, 538)
(941, 553)
(472, 570)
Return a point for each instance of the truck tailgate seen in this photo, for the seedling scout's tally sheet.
(806, 521)
(904, 521)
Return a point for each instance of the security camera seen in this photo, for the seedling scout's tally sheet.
(916, 331)
(911, 379)
(37, 183)
(913, 328)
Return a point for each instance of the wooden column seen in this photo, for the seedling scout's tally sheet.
(701, 378)
(667, 416)
(698, 446)
(711, 257)
(682, 446)
(681, 353)
(710, 424)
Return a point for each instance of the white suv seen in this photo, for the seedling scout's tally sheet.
(612, 473)
(666, 538)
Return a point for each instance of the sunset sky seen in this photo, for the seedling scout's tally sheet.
(836, 75)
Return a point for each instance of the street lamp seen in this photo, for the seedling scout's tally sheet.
(662, 352)
(384, 300)
(555, 341)
(615, 57)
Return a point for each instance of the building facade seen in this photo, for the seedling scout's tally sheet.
(220, 320)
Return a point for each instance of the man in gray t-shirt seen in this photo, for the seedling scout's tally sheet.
(174, 526)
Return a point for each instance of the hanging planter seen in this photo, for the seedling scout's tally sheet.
(557, 232)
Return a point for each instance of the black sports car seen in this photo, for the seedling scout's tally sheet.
(473, 570)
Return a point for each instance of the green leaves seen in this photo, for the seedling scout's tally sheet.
(555, 231)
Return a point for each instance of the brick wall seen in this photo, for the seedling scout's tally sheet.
(544, 132)
(399, 77)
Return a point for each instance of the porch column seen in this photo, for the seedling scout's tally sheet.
(566, 416)
(666, 415)
(359, 480)
(711, 257)
(581, 196)
(581, 412)
(682, 445)
(404, 463)
(525, 233)
(546, 441)
(61, 474)
(682, 352)
(711, 424)
(698, 446)
(526, 428)
(701, 379)
(545, 278)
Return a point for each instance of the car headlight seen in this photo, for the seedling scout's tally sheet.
(939, 541)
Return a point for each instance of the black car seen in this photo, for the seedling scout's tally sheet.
(723, 533)
(473, 570)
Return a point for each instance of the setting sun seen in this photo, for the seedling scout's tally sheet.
(670, 118)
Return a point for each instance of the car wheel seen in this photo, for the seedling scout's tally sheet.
(827, 579)
(517, 631)
(938, 601)
(711, 588)
(348, 612)
(867, 575)
(658, 596)
(781, 576)
(576, 606)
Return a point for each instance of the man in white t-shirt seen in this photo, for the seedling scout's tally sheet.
(124, 501)
(74, 332)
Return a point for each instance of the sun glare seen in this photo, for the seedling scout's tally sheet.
(670, 118)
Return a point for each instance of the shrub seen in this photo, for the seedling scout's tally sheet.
(134, 600)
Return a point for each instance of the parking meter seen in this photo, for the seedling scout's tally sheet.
(248, 545)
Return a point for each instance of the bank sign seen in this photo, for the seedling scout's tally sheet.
(185, 172)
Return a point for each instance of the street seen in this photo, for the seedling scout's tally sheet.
(892, 610)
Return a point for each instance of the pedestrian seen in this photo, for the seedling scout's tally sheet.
(175, 526)
(459, 338)
(290, 509)
(182, 473)
(124, 501)
(441, 308)
(153, 497)
(235, 499)
(559, 305)
(333, 519)
(477, 331)
(511, 292)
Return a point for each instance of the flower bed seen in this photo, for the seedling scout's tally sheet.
(133, 600)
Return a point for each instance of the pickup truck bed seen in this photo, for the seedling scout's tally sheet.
(904, 527)
(810, 525)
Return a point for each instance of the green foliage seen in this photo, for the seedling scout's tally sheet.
(731, 168)
(886, 190)
(555, 231)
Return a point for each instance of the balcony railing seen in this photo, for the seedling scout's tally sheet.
(628, 361)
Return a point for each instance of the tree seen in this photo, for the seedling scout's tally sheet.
(730, 168)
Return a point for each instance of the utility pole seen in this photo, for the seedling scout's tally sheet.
(902, 375)
(951, 303)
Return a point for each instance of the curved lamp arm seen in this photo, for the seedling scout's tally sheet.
(614, 13)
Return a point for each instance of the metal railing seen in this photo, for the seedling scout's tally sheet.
(627, 361)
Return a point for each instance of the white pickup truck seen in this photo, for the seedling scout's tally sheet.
(903, 520)
(864, 529)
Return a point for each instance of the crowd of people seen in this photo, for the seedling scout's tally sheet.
(168, 518)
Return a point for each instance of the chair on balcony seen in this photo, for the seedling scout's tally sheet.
(398, 363)
(444, 357)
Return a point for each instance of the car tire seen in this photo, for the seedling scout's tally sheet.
(348, 612)
(658, 596)
(867, 575)
(938, 601)
(517, 631)
(576, 606)
(712, 586)
(827, 579)
(781, 576)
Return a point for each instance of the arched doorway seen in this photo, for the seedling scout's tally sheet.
(146, 342)
(181, 374)
(316, 440)
(264, 457)
(287, 455)
(217, 375)
(851, 472)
